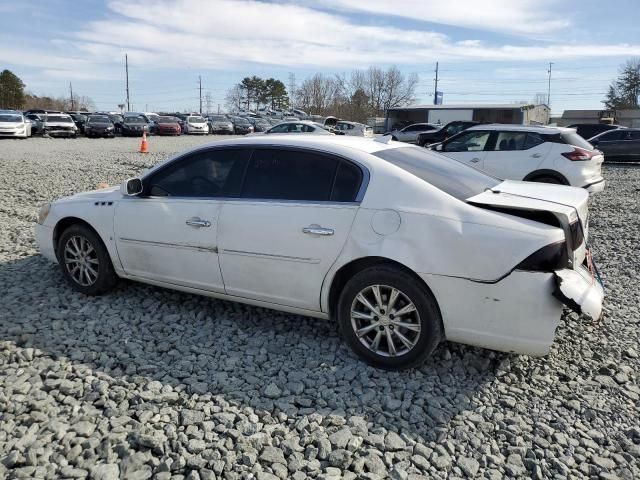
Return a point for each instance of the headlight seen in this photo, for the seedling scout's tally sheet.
(109, 128)
(43, 213)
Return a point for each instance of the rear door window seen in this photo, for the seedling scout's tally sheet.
(510, 141)
(289, 175)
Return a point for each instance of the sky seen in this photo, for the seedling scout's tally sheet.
(489, 51)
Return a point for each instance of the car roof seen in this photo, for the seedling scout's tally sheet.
(520, 128)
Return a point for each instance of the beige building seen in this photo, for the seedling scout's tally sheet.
(515, 113)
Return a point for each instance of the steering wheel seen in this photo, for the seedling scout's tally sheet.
(210, 187)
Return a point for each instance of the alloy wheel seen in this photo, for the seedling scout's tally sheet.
(81, 260)
(385, 320)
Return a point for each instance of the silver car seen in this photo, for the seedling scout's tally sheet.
(410, 134)
(299, 126)
(220, 124)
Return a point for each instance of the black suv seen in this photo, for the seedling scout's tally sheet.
(450, 129)
(589, 130)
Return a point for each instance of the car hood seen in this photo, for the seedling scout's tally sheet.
(59, 124)
(108, 194)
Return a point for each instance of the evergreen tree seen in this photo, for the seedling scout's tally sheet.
(11, 91)
(624, 91)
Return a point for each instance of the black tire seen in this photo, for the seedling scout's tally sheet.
(394, 138)
(428, 317)
(98, 259)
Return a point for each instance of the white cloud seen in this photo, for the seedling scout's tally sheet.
(234, 34)
(510, 16)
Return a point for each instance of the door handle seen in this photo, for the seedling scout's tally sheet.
(318, 230)
(536, 155)
(475, 160)
(198, 223)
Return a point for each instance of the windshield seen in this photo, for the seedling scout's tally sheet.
(153, 117)
(167, 120)
(195, 119)
(134, 120)
(219, 118)
(242, 121)
(59, 118)
(572, 138)
(99, 119)
(455, 178)
(11, 118)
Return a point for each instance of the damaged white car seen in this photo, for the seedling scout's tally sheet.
(403, 247)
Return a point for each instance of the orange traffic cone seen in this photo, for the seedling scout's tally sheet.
(144, 146)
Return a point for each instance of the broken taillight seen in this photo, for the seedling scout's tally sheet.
(580, 154)
(547, 259)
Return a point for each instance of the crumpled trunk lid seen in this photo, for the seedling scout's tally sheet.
(569, 206)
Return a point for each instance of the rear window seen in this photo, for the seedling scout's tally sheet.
(572, 138)
(451, 176)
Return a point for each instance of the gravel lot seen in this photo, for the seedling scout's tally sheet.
(148, 382)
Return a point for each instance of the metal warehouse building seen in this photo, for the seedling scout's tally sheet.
(516, 113)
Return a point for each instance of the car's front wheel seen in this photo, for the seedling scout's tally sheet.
(388, 318)
(84, 261)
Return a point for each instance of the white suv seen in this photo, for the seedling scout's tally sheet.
(530, 153)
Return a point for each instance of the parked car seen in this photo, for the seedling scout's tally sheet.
(168, 126)
(195, 124)
(621, 145)
(37, 123)
(454, 254)
(440, 135)
(58, 125)
(589, 130)
(241, 126)
(220, 124)
(354, 129)
(299, 126)
(150, 118)
(117, 120)
(79, 118)
(410, 134)
(134, 126)
(13, 124)
(530, 153)
(99, 126)
(260, 124)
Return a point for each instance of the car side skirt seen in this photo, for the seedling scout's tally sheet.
(224, 296)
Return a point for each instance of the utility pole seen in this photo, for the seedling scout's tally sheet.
(218, 109)
(435, 92)
(200, 81)
(71, 92)
(549, 87)
(126, 71)
(292, 87)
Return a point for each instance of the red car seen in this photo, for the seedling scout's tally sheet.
(168, 126)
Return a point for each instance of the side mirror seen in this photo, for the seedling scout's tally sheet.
(131, 187)
(438, 147)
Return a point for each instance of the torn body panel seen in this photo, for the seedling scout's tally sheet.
(580, 291)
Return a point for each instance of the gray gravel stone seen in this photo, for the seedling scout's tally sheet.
(145, 382)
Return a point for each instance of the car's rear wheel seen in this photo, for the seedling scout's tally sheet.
(388, 318)
(84, 261)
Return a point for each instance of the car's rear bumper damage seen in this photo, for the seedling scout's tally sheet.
(595, 187)
(519, 313)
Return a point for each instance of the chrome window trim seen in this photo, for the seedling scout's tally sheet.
(364, 184)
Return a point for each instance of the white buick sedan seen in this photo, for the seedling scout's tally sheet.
(401, 246)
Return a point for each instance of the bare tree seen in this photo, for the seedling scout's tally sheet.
(234, 98)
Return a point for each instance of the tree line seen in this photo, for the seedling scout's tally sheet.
(357, 96)
(14, 97)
